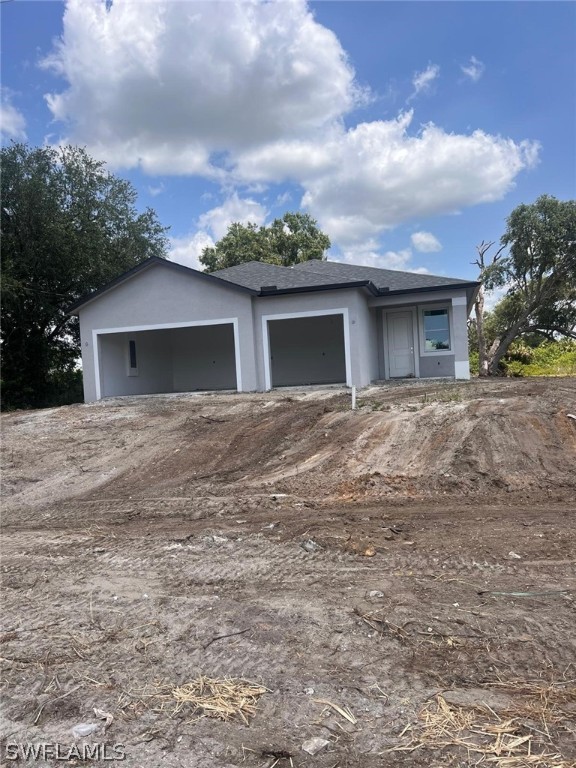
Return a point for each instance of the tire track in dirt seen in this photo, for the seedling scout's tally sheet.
(205, 575)
(453, 438)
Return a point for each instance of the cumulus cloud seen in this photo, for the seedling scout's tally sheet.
(12, 121)
(213, 225)
(165, 84)
(253, 93)
(234, 209)
(288, 160)
(425, 242)
(188, 249)
(369, 254)
(372, 177)
(474, 69)
(381, 175)
(422, 81)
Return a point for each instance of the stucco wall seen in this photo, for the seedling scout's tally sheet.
(436, 365)
(361, 330)
(154, 364)
(430, 364)
(162, 296)
(175, 360)
(460, 346)
(366, 334)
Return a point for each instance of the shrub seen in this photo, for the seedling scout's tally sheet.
(552, 358)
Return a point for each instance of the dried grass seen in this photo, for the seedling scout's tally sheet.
(222, 698)
(344, 712)
(512, 740)
(546, 703)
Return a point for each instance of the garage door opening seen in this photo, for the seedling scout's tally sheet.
(183, 359)
(307, 350)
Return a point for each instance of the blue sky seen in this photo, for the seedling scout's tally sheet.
(410, 130)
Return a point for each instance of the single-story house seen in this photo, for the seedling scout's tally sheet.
(163, 327)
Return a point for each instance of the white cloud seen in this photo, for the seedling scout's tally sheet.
(347, 230)
(156, 189)
(234, 209)
(283, 199)
(294, 160)
(188, 249)
(491, 298)
(213, 225)
(12, 121)
(372, 177)
(425, 242)
(252, 93)
(474, 69)
(367, 254)
(422, 81)
(165, 84)
(380, 175)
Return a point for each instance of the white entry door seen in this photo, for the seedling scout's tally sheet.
(400, 344)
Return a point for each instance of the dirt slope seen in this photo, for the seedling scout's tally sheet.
(410, 564)
(413, 440)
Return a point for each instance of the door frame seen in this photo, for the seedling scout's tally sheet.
(415, 344)
(293, 315)
(98, 332)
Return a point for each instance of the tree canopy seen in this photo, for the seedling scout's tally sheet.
(68, 227)
(289, 240)
(536, 263)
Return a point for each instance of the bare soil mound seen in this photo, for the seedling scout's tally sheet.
(231, 581)
(411, 441)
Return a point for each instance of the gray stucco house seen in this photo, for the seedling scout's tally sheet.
(163, 327)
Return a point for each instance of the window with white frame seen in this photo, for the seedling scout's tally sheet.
(436, 330)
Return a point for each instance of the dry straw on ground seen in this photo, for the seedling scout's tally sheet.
(517, 738)
(222, 698)
(545, 703)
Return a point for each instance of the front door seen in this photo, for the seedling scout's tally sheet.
(400, 344)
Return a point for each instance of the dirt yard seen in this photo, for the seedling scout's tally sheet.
(397, 582)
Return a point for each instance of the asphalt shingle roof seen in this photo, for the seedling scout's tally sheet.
(258, 274)
(311, 274)
(257, 277)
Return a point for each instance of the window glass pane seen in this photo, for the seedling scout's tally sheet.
(132, 345)
(436, 330)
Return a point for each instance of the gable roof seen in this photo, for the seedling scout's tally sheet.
(312, 275)
(144, 265)
(258, 278)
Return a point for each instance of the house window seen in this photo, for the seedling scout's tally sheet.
(436, 325)
(132, 359)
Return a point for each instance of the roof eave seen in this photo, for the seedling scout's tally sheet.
(432, 288)
(142, 267)
(314, 288)
(471, 295)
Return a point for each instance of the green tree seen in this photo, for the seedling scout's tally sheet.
(289, 240)
(539, 273)
(68, 226)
